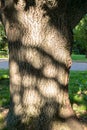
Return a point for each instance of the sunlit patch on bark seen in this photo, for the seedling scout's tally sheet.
(27, 81)
(58, 126)
(51, 45)
(48, 88)
(16, 98)
(15, 75)
(35, 31)
(32, 102)
(49, 70)
(34, 58)
(18, 110)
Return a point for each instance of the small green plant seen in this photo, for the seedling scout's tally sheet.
(3, 43)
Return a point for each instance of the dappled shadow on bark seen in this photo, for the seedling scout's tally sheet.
(38, 90)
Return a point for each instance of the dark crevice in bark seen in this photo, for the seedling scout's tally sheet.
(29, 3)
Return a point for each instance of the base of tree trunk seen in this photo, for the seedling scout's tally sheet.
(57, 124)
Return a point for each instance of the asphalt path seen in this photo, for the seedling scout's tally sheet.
(4, 64)
(77, 66)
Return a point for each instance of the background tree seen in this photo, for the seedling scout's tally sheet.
(40, 37)
(80, 36)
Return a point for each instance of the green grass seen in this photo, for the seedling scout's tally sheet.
(77, 91)
(4, 87)
(80, 58)
(4, 74)
(4, 94)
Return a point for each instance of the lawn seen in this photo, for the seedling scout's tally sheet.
(80, 58)
(77, 93)
(4, 96)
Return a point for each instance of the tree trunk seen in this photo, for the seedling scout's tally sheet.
(39, 56)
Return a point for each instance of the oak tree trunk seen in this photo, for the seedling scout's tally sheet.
(39, 55)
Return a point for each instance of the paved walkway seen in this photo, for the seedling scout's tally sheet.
(4, 64)
(79, 66)
(75, 66)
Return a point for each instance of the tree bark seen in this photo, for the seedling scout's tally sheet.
(39, 55)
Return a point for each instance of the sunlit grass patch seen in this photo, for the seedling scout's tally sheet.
(81, 58)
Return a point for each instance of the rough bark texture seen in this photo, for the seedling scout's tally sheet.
(39, 55)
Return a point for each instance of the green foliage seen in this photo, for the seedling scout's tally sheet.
(3, 39)
(80, 37)
(3, 43)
